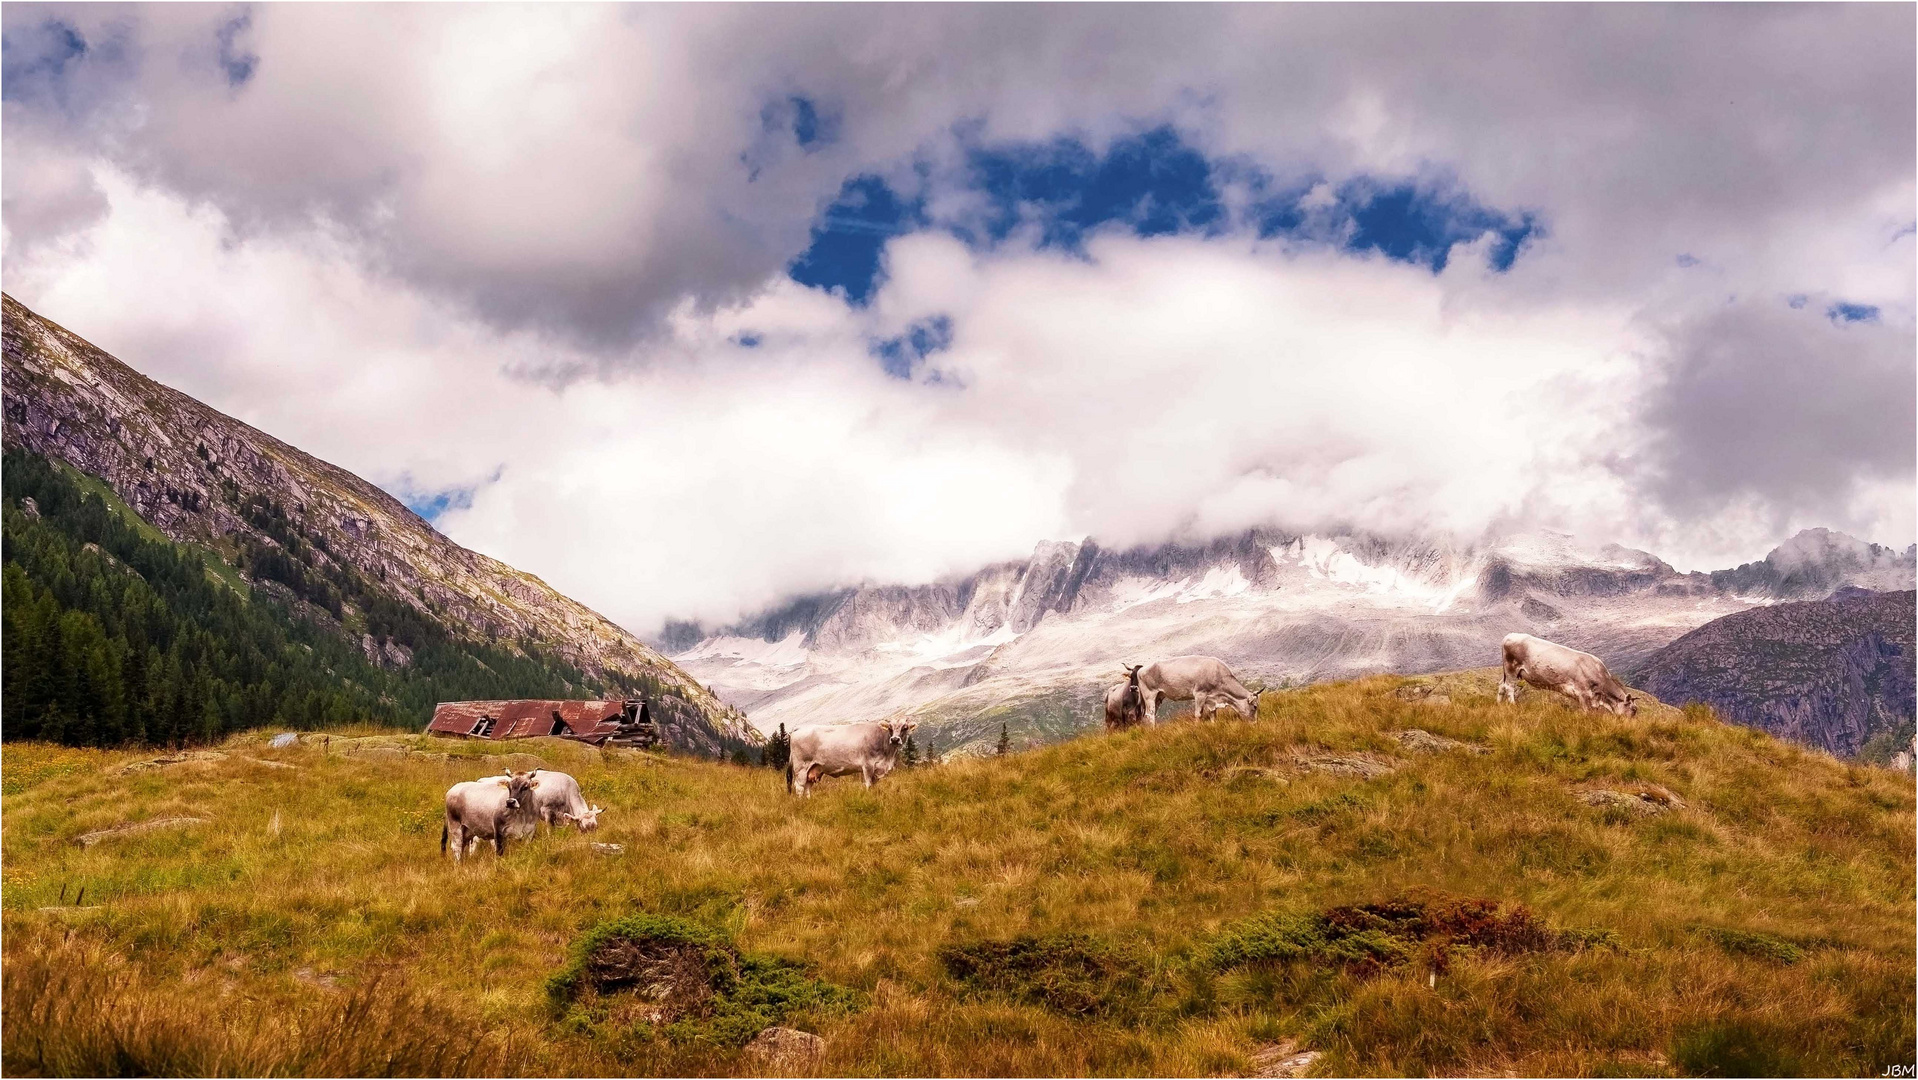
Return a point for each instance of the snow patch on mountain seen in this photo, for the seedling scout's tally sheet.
(1035, 644)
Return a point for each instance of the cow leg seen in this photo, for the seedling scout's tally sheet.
(451, 835)
(1200, 702)
(1508, 684)
(865, 773)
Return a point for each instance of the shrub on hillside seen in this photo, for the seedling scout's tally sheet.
(645, 975)
(1074, 974)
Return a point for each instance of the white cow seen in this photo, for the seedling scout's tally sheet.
(493, 809)
(1551, 666)
(871, 750)
(1205, 681)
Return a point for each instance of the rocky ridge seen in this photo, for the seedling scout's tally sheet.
(1830, 673)
(202, 477)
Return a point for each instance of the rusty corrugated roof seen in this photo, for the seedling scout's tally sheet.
(524, 719)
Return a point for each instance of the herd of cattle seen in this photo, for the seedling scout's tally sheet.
(512, 806)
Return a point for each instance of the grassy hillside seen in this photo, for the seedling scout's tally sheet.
(1169, 901)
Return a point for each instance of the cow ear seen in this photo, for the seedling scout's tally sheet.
(503, 781)
(534, 782)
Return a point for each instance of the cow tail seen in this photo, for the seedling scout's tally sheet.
(789, 775)
(442, 838)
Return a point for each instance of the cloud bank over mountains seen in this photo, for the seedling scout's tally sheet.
(687, 309)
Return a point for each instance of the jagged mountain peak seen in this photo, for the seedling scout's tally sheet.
(1047, 631)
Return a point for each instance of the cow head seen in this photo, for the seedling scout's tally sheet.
(589, 820)
(896, 732)
(519, 788)
(1627, 707)
(1132, 673)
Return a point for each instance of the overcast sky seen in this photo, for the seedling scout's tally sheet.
(687, 309)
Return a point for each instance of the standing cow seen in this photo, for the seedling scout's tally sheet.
(1551, 666)
(871, 750)
(1205, 681)
(490, 809)
(1125, 703)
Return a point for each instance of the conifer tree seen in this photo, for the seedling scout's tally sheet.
(910, 756)
(1005, 741)
(778, 751)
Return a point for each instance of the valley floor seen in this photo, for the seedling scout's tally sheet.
(1181, 900)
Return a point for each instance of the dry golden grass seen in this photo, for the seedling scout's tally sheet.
(338, 941)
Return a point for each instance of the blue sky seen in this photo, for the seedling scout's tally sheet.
(1153, 183)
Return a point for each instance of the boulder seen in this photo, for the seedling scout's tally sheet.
(283, 740)
(786, 1048)
(1646, 799)
(1282, 1059)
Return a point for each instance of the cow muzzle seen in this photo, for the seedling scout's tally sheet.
(512, 804)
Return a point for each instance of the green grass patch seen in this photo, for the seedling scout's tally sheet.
(1753, 943)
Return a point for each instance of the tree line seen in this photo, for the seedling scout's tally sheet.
(112, 636)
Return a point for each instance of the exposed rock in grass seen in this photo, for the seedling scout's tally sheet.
(270, 764)
(686, 982)
(283, 740)
(1282, 1059)
(1074, 974)
(180, 758)
(1357, 766)
(786, 1048)
(1420, 741)
(92, 838)
(1422, 692)
(1234, 773)
(325, 980)
(609, 849)
(1642, 799)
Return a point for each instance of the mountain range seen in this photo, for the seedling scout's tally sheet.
(327, 545)
(1034, 644)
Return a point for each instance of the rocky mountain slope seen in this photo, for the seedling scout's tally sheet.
(312, 535)
(1034, 643)
(1830, 673)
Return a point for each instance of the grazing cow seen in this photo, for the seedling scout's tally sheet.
(870, 750)
(1205, 681)
(490, 809)
(1551, 666)
(1125, 703)
(559, 802)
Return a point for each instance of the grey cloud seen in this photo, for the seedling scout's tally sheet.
(1779, 403)
(585, 179)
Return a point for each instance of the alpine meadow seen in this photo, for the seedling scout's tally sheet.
(1408, 887)
(1266, 539)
